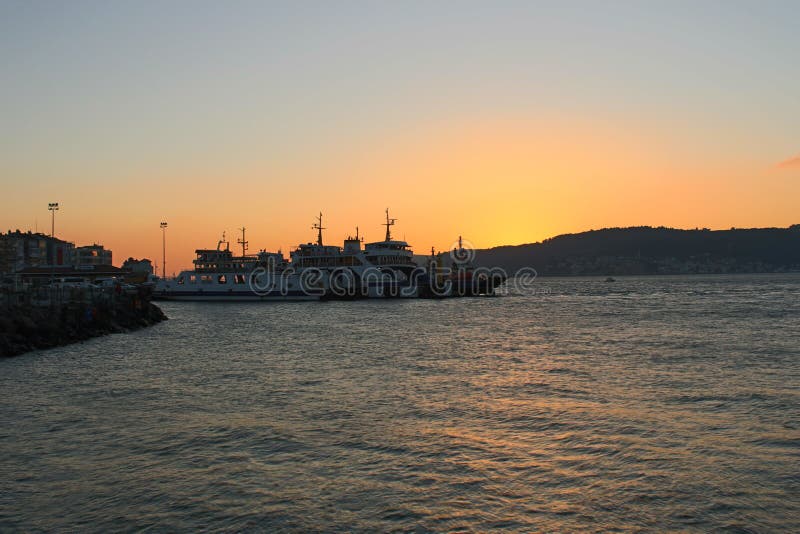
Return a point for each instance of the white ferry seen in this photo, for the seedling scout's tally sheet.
(379, 270)
(218, 275)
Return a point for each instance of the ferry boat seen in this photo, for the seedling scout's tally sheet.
(218, 275)
(378, 270)
(454, 274)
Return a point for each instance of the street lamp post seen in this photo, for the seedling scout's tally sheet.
(163, 250)
(53, 207)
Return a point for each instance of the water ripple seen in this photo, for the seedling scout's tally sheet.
(661, 403)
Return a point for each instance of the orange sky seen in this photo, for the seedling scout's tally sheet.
(504, 123)
(494, 182)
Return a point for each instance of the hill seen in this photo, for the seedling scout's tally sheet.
(648, 250)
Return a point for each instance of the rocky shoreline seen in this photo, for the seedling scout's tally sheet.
(25, 328)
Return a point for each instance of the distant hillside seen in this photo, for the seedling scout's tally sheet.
(647, 250)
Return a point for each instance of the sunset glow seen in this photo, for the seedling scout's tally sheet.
(410, 266)
(263, 127)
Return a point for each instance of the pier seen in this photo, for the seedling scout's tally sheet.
(41, 317)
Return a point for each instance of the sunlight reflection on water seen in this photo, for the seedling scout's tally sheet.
(656, 403)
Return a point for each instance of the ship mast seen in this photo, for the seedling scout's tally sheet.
(318, 226)
(221, 241)
(388, 224)
(243, 242)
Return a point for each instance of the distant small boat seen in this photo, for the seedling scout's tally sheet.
(609, 279)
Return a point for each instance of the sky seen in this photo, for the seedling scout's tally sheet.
(504, 122)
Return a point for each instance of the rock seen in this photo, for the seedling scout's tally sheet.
(25, 324)
(7, 325)
(25, 328)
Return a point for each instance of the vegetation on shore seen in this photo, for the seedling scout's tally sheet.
(648, 250)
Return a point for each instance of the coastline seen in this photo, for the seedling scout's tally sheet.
(25, 328)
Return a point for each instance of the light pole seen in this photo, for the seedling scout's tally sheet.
(53, 207)
(163, 250)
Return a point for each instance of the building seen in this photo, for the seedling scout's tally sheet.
(21, 250)
(137, 271)
(35, 257)
(44, 275)
(92, 255)
(143, 266)
(8, 255)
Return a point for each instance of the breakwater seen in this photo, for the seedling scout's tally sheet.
(45, 317)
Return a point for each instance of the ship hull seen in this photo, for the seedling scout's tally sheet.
(225, 296)
(392, 290)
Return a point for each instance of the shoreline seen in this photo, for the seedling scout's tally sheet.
(27, 328)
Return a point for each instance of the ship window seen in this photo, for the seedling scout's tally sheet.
(193, 278)
(180, 280)
(221, 279)
(238, 279)
(205, 278)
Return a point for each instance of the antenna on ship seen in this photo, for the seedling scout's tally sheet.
(221, 241)
(389, 222)
(318, 226)
(243, 242)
